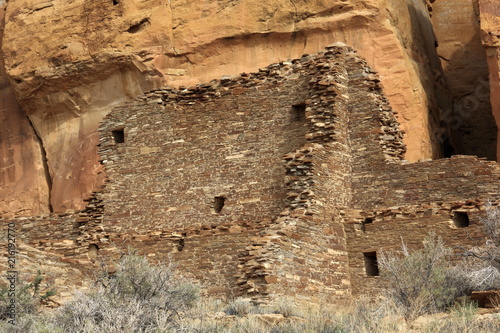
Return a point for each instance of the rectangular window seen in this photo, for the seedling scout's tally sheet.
(219, 204)
(367, 220)
(371, 264)
(118, 135)
(299, 112)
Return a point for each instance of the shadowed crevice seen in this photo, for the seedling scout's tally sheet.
(45, 163)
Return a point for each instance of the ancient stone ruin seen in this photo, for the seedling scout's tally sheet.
(287, 181)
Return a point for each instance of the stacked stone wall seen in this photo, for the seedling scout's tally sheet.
(252, 140)
(178, 157)
(266, 184)
(69, 234)
(457, 178)
(395, 201)
(380, 176)
(384, 229)
(293, 253)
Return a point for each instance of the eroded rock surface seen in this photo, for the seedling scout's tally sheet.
(71, 62)
(490, 34)
(25, 184)
(463, 58)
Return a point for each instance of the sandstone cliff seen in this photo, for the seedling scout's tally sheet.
(23, 171)
(70, 62)
(490, 34)
(465, 69)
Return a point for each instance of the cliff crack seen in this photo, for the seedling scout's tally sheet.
(45, 163)
(294, 16)
(441, 57)
(41, 6)
(187, 58)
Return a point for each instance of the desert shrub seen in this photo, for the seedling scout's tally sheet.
(472, 274)
(308, 327)
(486, 274)
(360, 316)
(286, 308)
(240, 307)
(31, 323)
(463, 318)
(491, 223)
(420, 281)
(139, 297)
(28, 296)
(369, 316)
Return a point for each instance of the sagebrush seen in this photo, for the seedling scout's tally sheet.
(420, 281)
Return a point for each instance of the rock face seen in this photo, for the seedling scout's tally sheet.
(490, 34)
(463, 58)
(23, 174)
(71, 62)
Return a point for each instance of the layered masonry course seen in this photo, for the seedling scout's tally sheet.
(284, 182)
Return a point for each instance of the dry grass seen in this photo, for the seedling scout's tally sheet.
(141, 297)
(207, 316)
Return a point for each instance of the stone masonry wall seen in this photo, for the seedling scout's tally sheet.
(179, 155)
(381, 178)
(384, 229)
(282, 182)
(393, 200)
(251, 140)
(457, 178)
(303, 254)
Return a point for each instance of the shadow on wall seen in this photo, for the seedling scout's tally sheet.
(470, 121)
(460, 115)
(424, 53)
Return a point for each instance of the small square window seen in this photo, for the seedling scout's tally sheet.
(367, 220)
(461, 219)
(219, 204)
(299, 112)
(118, 135)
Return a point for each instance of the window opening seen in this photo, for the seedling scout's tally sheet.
(461, 219)
(299, 112)
(371, 264)
(118, 135)
(367, 220)
(219, 204)
(180, 246)
(115, 2)
(93, 249)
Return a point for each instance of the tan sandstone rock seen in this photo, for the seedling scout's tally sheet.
(24, 185)
(463, 58)
(490, 34)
